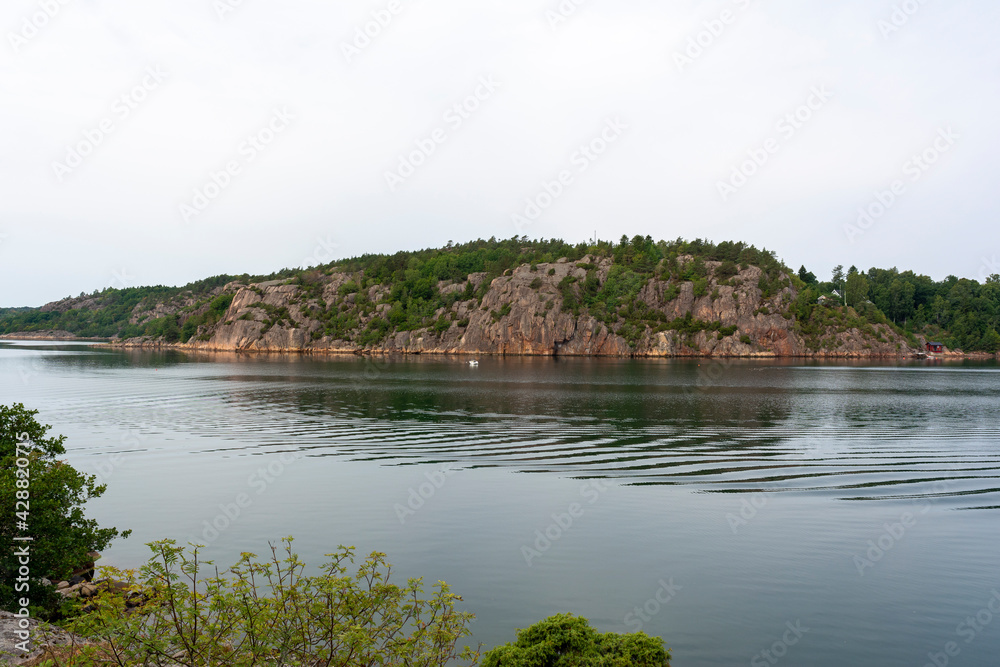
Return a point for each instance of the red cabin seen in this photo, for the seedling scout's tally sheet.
(935, 347)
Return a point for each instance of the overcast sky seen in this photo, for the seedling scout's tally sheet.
(164, 141)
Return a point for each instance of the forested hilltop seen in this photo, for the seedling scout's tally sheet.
(635, 297)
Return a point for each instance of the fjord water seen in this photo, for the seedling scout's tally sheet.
(828, 514)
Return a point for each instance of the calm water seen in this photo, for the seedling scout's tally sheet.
(729, 502)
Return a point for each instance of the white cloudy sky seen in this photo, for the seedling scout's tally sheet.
(318, 190)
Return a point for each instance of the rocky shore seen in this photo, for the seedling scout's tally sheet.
(45, 335)
(734, 311)
(42, 638)
(525, 313)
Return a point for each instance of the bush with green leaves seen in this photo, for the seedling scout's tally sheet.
(565, 640)
(269, 613)
(53, 494)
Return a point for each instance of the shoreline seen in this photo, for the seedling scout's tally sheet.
(49, 337)
(376, 352)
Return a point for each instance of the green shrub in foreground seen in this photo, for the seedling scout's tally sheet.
(48, 495)
(270, 613)
(565, 640)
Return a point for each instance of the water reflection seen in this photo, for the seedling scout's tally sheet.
(852, 432)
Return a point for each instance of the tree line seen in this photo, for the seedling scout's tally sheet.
(959, 312)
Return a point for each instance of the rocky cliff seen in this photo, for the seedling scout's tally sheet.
(532, 310)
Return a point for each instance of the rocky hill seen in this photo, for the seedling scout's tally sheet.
(636, 297)
(534, 309)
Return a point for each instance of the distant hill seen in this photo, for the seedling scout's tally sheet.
(636, 297)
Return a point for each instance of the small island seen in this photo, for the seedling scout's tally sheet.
(633, 298)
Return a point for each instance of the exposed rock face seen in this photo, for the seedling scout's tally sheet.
(42, 636)
(523, 313)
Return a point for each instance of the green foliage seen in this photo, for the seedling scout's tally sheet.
(571, 301)
(220, 305)
(770, 283)
(726, 270)
(163, 327)
(565, 640)
(618, 294)
(503, 312)
(374, 333)
(53, 494)
(350, 287)
(271, 613)
(805, 302)
(276, 315)
(189, 329)
(456, 262)
(211, 314)
(443, 324)
(857, 289)
(962, 313)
